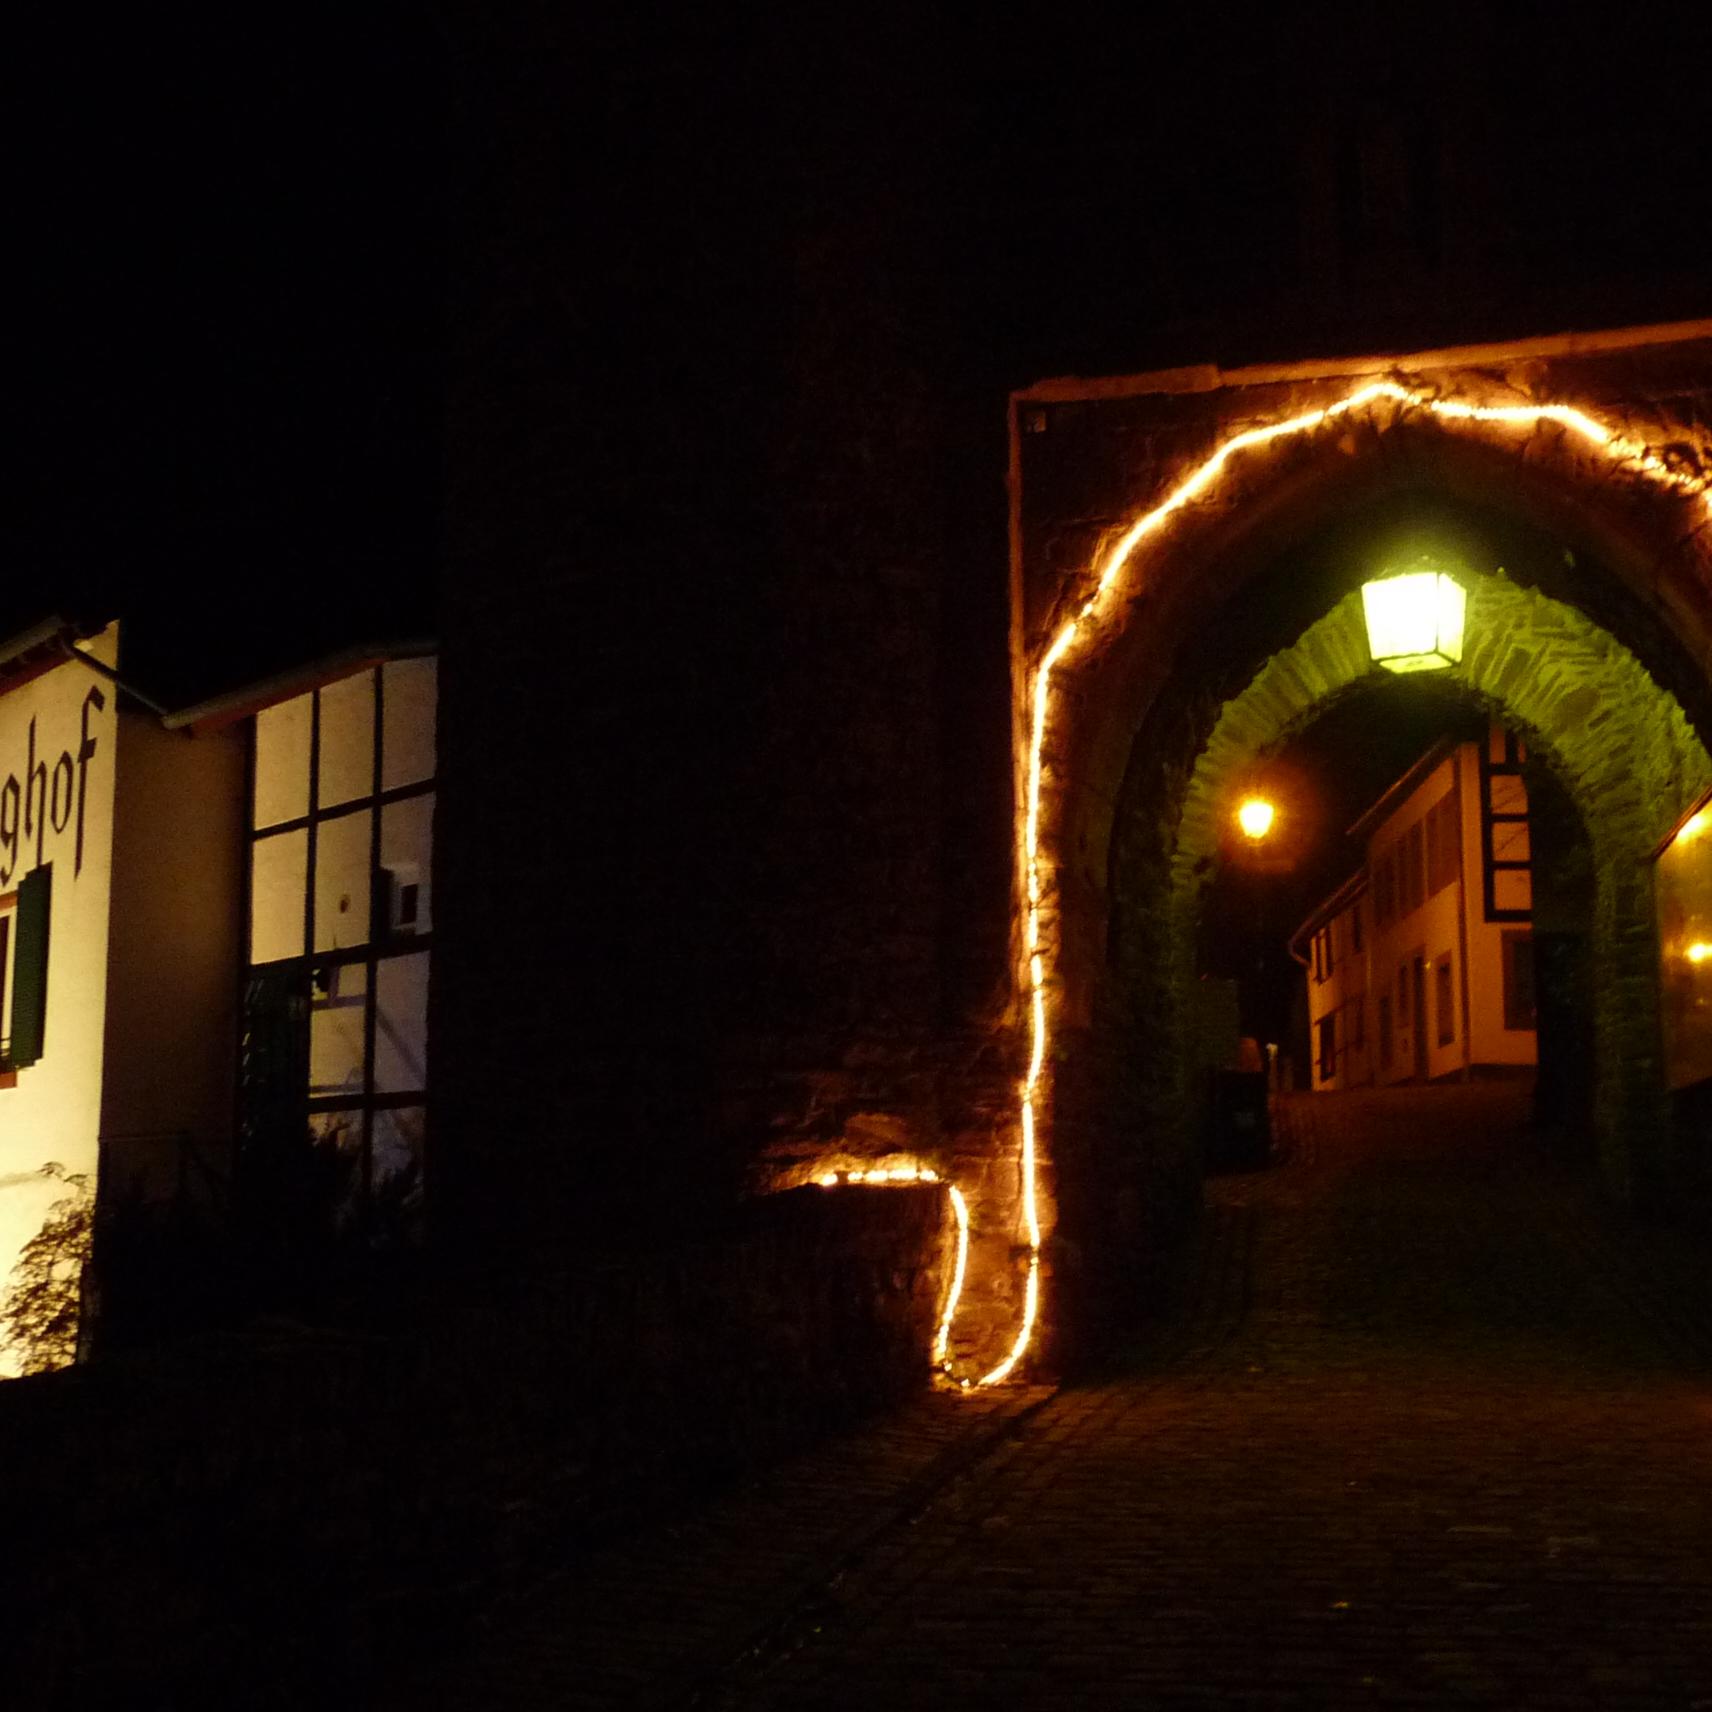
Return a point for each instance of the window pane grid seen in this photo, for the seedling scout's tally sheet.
(366, 1093)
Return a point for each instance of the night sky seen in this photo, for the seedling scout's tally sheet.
(230, 245)
(232, 303)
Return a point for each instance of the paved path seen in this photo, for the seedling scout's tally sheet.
(1428, 1429)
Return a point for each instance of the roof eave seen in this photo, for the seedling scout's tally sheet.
(223, 710)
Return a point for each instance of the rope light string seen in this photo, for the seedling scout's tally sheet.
(914, 1173)
(942, 1338)
(1040, 955)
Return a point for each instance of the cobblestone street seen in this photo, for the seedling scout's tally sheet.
(1428, 1427)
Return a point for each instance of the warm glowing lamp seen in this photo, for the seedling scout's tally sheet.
(1692, 828)
(1414, 621)
(1255, 818)
(1699, 951)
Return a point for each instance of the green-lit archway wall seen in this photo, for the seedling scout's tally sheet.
(1622, 747)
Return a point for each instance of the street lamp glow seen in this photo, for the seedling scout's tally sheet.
(1414, 621)
(1255, 818)
(1699, 951)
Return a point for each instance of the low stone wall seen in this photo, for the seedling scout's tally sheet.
(283, 1505)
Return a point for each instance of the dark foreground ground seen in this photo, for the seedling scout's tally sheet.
(1428, 1428)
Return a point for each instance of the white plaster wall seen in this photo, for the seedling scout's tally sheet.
(175, 950)
(53, 1114)
(1433, 931)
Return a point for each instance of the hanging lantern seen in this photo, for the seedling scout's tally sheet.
(1414, 621)
(1255, 818)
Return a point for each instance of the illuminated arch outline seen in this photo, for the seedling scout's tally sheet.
(1632, 454)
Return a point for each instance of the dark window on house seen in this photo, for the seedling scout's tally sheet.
(1356, 1029)
(1403, 997)
(7, 904)
(1355, 928)
(1519, 981)
(1384, 1031)
(1411, 850)
(1445, 1000)
(1328, 1047)
(28, 1037)
(1384, 889)
(1442, 854)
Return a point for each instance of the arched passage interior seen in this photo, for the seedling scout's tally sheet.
(1620, 742)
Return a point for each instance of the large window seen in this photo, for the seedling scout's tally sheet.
(1328, 1047)
(341, 919)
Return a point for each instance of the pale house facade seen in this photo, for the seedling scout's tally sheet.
(121, 880)
(215, 934)
(1420, 967)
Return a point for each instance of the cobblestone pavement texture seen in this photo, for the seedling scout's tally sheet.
(1428, 1427)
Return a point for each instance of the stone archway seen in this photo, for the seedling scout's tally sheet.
(1125, 1158)
(1103, 603)
(1621, 745)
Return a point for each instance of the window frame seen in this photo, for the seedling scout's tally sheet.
(384, 942)
(1512, 764)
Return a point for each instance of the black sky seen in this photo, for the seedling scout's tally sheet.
(230, 242)
(231, 294)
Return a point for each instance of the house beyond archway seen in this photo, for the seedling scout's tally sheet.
(1142, 510)
(1621, 746)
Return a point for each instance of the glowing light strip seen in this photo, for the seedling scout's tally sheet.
(959, 1207)
(884, 1174)
(1619, 450)
(942, 1340)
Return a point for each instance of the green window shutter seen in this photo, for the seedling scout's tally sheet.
(30, 966)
